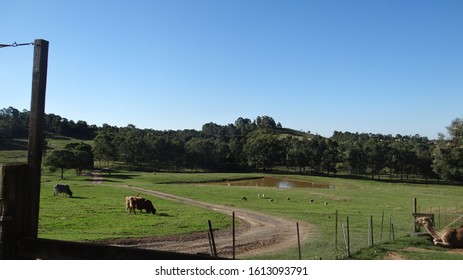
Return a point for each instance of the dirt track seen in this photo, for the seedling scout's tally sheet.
(261, 233)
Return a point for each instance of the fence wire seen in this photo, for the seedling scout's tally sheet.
(14, 45)
(386, 228)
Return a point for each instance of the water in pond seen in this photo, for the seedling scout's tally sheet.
(278, 183)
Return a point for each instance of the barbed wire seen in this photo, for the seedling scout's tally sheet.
(14, 45)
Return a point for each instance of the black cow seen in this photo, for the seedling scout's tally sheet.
(63, 189)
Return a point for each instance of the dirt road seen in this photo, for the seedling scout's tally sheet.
(260, 234)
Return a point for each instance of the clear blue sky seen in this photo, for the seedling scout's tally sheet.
(391, 67)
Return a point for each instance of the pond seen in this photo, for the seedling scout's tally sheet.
(277, 183)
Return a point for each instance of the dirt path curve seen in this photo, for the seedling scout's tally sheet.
(261, 233)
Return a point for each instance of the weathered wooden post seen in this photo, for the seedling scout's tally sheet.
(438, 218)
(370, 232)
(391, 229)
(336, 231)
(13, 181)
(348, 238)
(382, 225)
(214, 249)
(298, 241)
(36, 136)
(415, 210)
(20, 183)
(234, 236)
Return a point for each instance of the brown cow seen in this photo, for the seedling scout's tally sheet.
(140, 204)
(128, 203)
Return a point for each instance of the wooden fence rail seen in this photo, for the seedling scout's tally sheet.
(66, 250)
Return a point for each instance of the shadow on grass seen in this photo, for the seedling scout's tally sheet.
(79, 197)
(163, 215)
(71, 197)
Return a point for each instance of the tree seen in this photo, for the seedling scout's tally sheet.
(200, 152)
(83, 156)
(61, 159)
(266, 122)
(331, 156)
(448, 154)
(236, 157)
(131, 145)
(13, 123)
(314, 152)
(356, 158)
(298, 152)
(294, 153)
(263, 149)
(104, 147)
(211, 130)
(376, 150)
(423, 150)
(244, 126)
(403, 157)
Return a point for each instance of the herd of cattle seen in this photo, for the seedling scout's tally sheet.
(132, 203)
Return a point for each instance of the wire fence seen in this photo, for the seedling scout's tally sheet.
(15, 45)
(356, 231)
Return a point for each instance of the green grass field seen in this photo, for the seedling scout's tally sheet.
(98, 213)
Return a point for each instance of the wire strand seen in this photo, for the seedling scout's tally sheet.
(14, 45)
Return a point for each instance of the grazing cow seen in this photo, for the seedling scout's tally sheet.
(63, 189)
(141, 204)
(128, 203)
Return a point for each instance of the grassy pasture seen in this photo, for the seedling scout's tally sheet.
(98, 211)
(358, 199)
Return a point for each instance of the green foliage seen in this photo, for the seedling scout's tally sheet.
(104, 149)
(263, 149)
(448, 155)
(264, 144)
(61, 159)
(74, 155)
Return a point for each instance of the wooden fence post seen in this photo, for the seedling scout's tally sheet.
(234, 236)
(382, 225)
(36, 136)
(438, 219)
(415, 210)
(336, 231)
(348, 238)
(298, 241)
(14, 180)
(20, 184)
(391, 229)
(214, 249)
(370, 232)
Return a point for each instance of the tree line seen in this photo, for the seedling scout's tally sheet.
(260, 144)
(15, 124)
